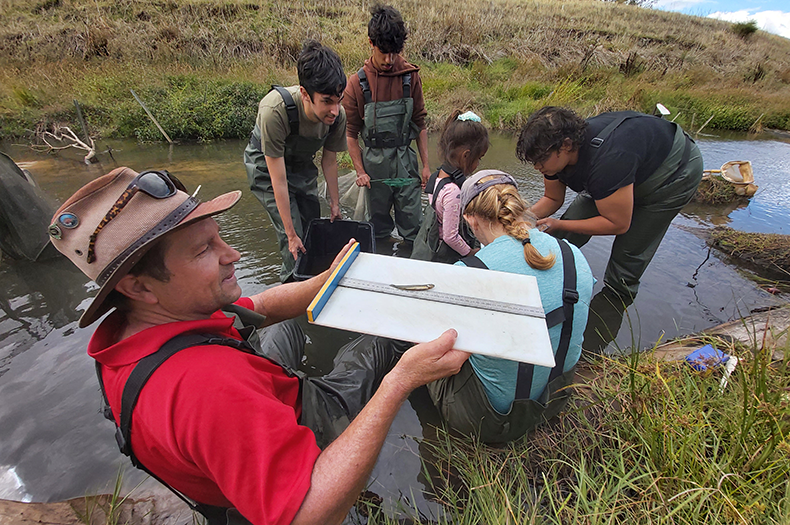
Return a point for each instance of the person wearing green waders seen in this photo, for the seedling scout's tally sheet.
(385, 105)
(633, 173)
(293, 123)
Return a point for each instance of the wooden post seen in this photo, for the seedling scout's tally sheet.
(706, 123)
(82, 121)
(150, 115)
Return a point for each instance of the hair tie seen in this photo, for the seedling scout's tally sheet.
(469, 115)
(526, 241)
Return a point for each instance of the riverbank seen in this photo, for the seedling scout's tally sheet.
(201, 66)
(646, 438)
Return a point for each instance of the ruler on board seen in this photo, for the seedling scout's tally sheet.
(498, 314)
(428, 294)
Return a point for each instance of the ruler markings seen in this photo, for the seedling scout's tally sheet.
(443, 297)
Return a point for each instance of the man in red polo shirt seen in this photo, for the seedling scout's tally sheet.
(228, 428)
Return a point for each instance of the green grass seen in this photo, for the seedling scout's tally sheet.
(643, 442)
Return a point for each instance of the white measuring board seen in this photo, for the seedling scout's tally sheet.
(470, 300)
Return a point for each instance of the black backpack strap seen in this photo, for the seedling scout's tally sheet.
(365, 85)
(407, 85)
(562, 314)
(441, 184)
(131, 392)
(473, 261)
(290, 109)
(605, 132)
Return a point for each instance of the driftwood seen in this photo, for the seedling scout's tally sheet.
(62, 137)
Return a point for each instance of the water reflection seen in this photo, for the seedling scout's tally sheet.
(36, 298)
(51, 431)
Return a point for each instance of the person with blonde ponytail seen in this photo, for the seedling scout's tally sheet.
(496, 399)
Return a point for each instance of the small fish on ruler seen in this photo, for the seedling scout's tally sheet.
(413, 287)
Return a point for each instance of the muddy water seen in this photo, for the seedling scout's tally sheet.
(55, 445)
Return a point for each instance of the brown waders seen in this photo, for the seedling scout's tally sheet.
(387, 133)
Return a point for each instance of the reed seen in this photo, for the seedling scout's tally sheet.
(644, 441)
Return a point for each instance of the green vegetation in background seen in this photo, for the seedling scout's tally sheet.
(201, 64)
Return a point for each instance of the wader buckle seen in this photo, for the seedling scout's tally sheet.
(596, 142)
(122, 444)
(570, 296)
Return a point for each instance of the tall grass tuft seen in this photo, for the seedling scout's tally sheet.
(745, 29)
(644, 441)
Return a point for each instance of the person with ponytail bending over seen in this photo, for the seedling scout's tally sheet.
(496, 399)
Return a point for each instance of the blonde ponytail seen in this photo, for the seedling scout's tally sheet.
(502, 203)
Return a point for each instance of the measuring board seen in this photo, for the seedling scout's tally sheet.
(497, 314)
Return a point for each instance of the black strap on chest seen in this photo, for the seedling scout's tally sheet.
(455, 175)
(598, 140)
(562, 314)
(290, 109)
(131, 392)
(365, 85)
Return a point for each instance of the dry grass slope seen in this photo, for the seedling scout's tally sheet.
(504, 57)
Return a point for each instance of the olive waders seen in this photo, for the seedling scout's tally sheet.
(429, 246)
(329, 402)
(462, 400)
(656, 202)
(301, 173)
(387, 134)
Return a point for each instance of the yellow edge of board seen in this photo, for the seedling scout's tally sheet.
(331, 283)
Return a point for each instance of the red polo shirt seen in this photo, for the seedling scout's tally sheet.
(217, 424)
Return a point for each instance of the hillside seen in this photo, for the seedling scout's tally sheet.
(202, 65)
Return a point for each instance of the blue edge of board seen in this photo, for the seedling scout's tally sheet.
(323, 295)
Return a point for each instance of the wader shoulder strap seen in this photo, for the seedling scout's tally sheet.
(441, 184)
(605, 132)
(407, 85)
(365, 85)
(290, 109)
(131, 392)
(431, 182)
(473, 261)
(562, 314)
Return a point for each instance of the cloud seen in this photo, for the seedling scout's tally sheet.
(777, 22)
(677, 5)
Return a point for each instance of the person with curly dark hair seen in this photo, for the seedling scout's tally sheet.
(385, 105)
(633, 173)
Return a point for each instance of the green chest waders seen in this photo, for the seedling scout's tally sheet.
(657, 201)
(462, 399)
(387, 133)
(301, 173)
(429, 246)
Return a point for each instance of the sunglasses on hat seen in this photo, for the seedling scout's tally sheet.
(154, 183)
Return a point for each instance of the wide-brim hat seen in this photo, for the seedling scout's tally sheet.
(128, 228)
(472, 186)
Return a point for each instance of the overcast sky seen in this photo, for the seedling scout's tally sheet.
(771, 15)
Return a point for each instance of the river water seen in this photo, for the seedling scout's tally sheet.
(54, 443)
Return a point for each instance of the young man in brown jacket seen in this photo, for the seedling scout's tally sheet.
(384, 103)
